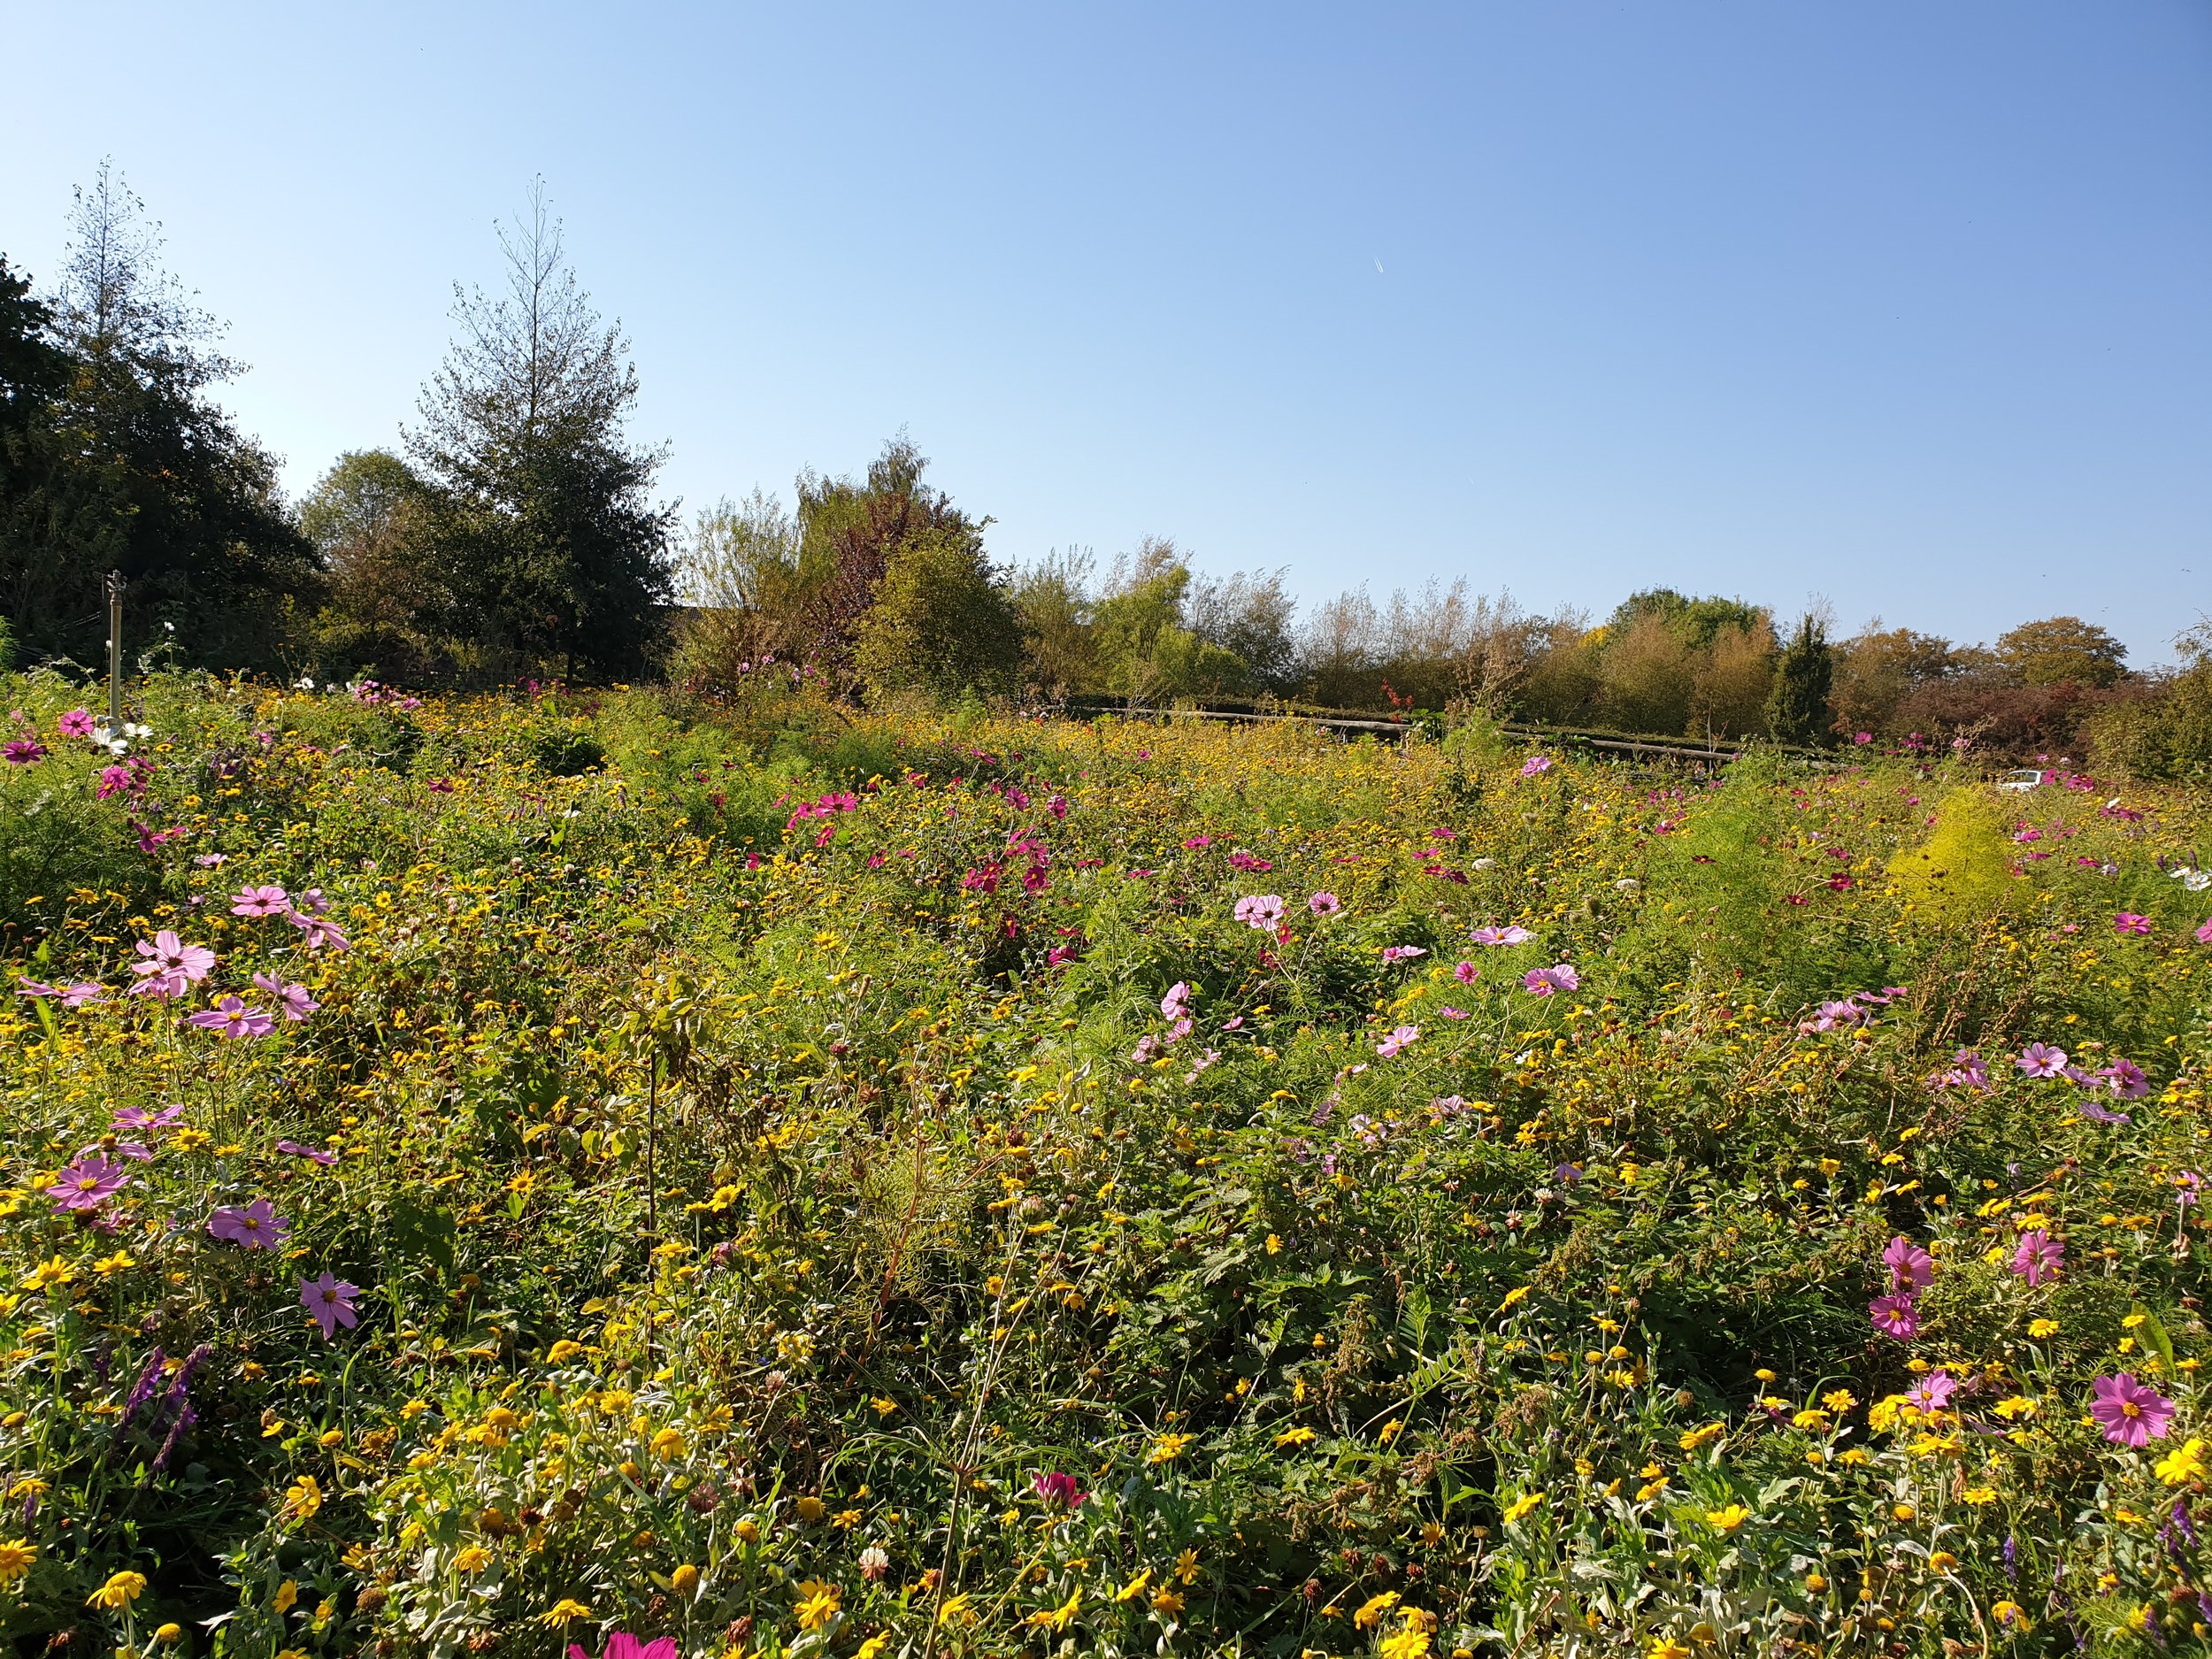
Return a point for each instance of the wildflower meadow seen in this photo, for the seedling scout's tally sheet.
(597, 1173)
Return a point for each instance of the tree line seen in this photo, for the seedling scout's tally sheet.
(514, 530)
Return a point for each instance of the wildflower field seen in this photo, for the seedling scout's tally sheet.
(492, 1175)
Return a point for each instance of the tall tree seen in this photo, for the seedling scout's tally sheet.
(2061, 648)
(130, 464)
(547, 536)
(372, 522)
(1797, 707)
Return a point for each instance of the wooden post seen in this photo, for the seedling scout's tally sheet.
(115, 653)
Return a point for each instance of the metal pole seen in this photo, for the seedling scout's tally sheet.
(115, 652)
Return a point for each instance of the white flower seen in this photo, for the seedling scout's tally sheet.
(1483, 863)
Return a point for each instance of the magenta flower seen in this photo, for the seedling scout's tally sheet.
(1394, 954)
(1513, 935)
(316, 1154)
(1329, 904)
(296, 1004)
(321, 931)
(1176, 1004)
(23, 751)
(1933, 1392)
(1895, 1316)
(261, 901)
(2204, 933)
(1466, 973)
(331, 1301)
(2037, 1256)
(117, 780)
(169, 957)
(139, 1117)
(2126, 1079)
(232, 1018)
(76, 722)
(1910, 1267)
(1260, 911)
(255, 1225)
(1544, 981)
(1398, 1041)
(2039, 1059)
(2129, 922)
(1059, 1488)
(1536, 764)
(622, 1645)
(1449, 1012)
(2130, 1412)
(88, 1184)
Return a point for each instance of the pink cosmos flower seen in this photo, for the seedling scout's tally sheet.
(88, 1184)
(1059, 1488)
(2130, 1412)
(293, 999)
(23, 751)
(261, 901)
(321, 931)
(2129, 922)
(232, 1018)
(1176, 1004)
(1536, 764)
(1895, 1316)
(2039, 1059)
(139, 1117)
(311, 903)
(2204, 933)
(1329, 904)
(622, 1645)
(1394, 954)
(1511, 935)
(1260, 911)
(331, 1301)
(1910, 1267)
(1398, 1041)
(316, 1154)
(1466, 973)
(168, 957)
(255, 1225)
(76, 722)
(2126, 1079)
(1543, 981)
(1453, 1013)
(1933, 1392)
(2038, 1257)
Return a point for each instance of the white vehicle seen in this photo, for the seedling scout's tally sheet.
(2024, 780)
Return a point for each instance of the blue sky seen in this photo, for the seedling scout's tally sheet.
(1905, 306)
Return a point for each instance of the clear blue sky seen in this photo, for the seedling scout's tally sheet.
(1908, 305)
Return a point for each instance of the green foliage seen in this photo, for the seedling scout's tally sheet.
(2058, 649)
(1797, 708)
(763, 1156)
(130, 464)
(2167, 734)
(543, 522)
(941, 623)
